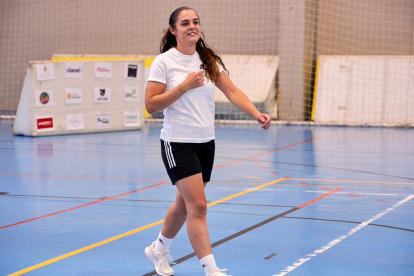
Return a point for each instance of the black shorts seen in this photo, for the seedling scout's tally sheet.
(185, 159)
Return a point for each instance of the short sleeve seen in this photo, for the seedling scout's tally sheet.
(220, 67)
(158, 71)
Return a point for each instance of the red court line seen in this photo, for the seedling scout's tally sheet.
(319, 198)
(84, 205)
(263, 153)
(149, 180)
(78, 177)
(151, 186)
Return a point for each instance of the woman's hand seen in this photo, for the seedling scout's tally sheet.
(240, 100)
(157, 100)
(264, 120)
(193, 80)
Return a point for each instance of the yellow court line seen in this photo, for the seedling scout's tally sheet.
(245, 192)
(351, 181)
(67, 255)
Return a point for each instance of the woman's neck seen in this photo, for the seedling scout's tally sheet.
(189, 51)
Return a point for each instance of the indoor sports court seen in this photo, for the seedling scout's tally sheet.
(295, 200)
(328, 189)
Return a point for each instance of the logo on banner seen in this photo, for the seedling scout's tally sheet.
(45, 71)
(74, 70)
(44, 124)
(103, 69)
(74, 121)
(131, 70)
(44, 98)
(102, 94)
(131, 119)
(131, 94)
(73, 95)
(103, 121)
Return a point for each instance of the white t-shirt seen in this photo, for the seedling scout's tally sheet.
(191, 118)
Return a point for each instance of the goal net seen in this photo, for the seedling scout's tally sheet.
(341, 62)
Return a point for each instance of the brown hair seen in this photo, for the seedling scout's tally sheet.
(207, 55)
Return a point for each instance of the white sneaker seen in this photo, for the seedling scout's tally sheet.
(218, 272)
(161, 260)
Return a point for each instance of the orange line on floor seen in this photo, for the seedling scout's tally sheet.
(263, 153)
(319, 198)
(120, 179)
(86, 248)
(84, 205)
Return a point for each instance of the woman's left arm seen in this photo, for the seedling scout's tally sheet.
(240, 100)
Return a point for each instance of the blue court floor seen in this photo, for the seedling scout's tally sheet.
(293, 200)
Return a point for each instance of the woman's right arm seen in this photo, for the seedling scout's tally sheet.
(156, 100)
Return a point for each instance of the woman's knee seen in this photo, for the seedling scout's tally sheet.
(199, 209)
(180, 209)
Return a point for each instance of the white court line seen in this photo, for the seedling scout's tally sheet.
(310, 191)
(341, 238)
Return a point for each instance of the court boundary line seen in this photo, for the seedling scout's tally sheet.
(352, 222)
(351, 181)
(147, 180)
(115, 179)
(84, 205)
(86, 248)
(251, 228)
(77, 177)
(265, 152)
(341, 238)
(341, 169)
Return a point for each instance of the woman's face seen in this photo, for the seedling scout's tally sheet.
(187, 28)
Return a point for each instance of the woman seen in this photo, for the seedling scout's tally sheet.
(181, 82)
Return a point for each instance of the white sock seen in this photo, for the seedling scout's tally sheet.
(208, 263)
(162, 243)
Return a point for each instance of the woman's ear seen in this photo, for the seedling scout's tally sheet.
(171, 30)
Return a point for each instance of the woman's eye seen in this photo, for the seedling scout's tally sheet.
(196, 22)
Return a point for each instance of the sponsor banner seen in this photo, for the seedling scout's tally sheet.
(131, 70)
(102, 120)
(74, 121)
(45, 71)
(131, 119)
(45, 123)
(44, 98)
(74, 70)
(131, 93)
(103, 70)
(102, 94)
(73, 95)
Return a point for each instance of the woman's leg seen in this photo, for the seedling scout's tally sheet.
(175, 217)
(191, 190)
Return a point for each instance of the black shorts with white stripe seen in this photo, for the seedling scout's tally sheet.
(185, 159)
